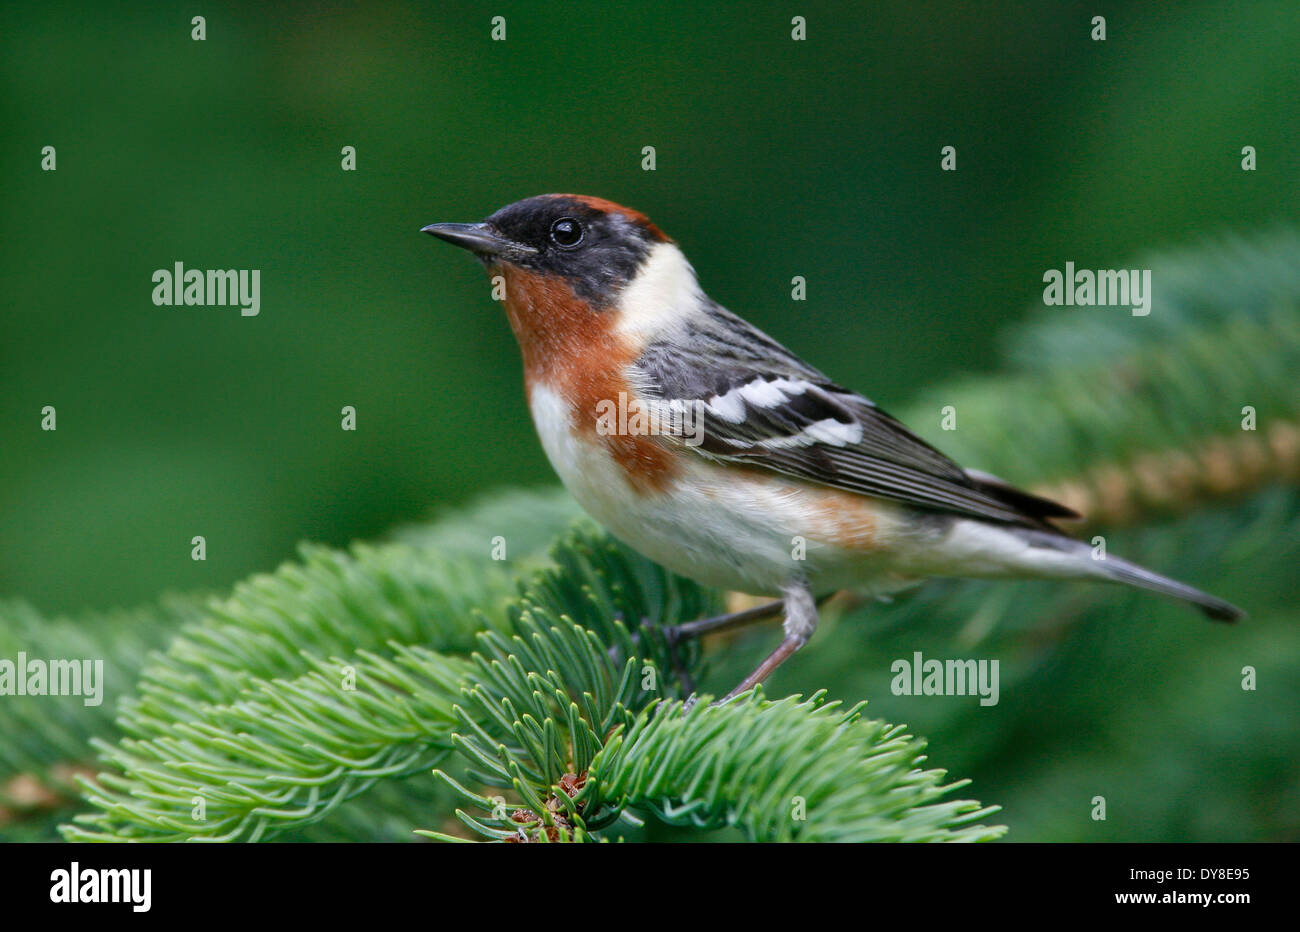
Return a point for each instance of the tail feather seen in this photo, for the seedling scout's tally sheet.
(1034, 506)
(1143, 578)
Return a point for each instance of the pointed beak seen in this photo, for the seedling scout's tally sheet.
(478, 239)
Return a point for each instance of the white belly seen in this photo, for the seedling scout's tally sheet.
(750, 536)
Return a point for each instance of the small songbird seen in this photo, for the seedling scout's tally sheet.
(713, 450)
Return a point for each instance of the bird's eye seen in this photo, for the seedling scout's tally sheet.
(566, 233)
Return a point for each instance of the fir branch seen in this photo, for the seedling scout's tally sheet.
(257, 631)
(571, 720)
(48, 733)
(789, 770)
(266, 754)
(284, 755)
(542, 705)
(778, 771)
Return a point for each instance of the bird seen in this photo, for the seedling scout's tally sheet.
(707, 446)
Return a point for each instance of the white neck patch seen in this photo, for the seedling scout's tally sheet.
(663, 293)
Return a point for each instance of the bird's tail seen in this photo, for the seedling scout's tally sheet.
(1050, 554)
(1131, 574)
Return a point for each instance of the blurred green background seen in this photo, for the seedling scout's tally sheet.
(775, 158)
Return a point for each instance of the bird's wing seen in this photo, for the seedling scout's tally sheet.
(760, 406)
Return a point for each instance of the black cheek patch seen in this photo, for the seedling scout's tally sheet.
(612, 247)
(598, 272)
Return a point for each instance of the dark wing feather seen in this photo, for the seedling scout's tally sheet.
(763, 407)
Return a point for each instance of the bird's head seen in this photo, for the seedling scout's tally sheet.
(594, 246)
(585, 279)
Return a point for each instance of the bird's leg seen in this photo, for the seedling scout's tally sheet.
(701, 626)
(749, 616)
(806, 615)
(683, 675)
(675, 634)
(800, 622)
